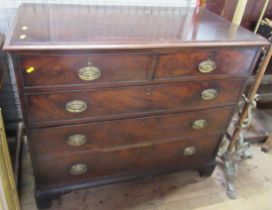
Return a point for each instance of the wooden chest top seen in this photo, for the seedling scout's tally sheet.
(74, 27)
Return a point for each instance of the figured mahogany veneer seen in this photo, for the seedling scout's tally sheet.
(55, 70)
(116, 93)
(117, 102)
(124, 133)
(156, 157)
(229, 61)
(63, 69)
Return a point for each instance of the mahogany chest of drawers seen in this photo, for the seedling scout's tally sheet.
(116, 93)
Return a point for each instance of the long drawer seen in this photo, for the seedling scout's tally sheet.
(74, 169)
(59, 107)
(196, 62)
(68, 69)
(117, 134)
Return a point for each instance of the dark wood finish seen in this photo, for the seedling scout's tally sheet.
(138, 100)
(124, 67)
(106, 27)
(119, 134)
(207, 171)
(226, 8)
(234, 61)
(140, 111)
(63, 69)
(122, 161)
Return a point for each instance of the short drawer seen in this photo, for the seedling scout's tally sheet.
(191, 153)
(114, 103)
(200, 62)
(68, 69)
(110, 135)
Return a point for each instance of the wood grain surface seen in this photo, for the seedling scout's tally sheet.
(138, 114)
(63, 69)
(118, 134)
(120, 162)
(67, 27)
(114, 103)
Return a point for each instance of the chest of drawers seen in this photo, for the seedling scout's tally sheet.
(116, 93)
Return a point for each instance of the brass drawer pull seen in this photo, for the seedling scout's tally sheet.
(207, 66)
(199, 124)
(89, 73)
(209, 94)
(189, 151)
(76, 140)
(78, 169)
(76, 106)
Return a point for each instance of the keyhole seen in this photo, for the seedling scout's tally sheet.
(148, 92)
(90, 61)
(138, 151)
(211, 57)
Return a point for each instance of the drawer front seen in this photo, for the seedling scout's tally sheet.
(187, 153)
(204, 62)
(49, 70)
(112, 135)
(113, 103)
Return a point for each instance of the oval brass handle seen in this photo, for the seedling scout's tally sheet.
(89, 73)
(76, 140)
(199, 124)
(78, 169)
(76, 106)
(207, 66)
(190, 150)
(209, 94)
